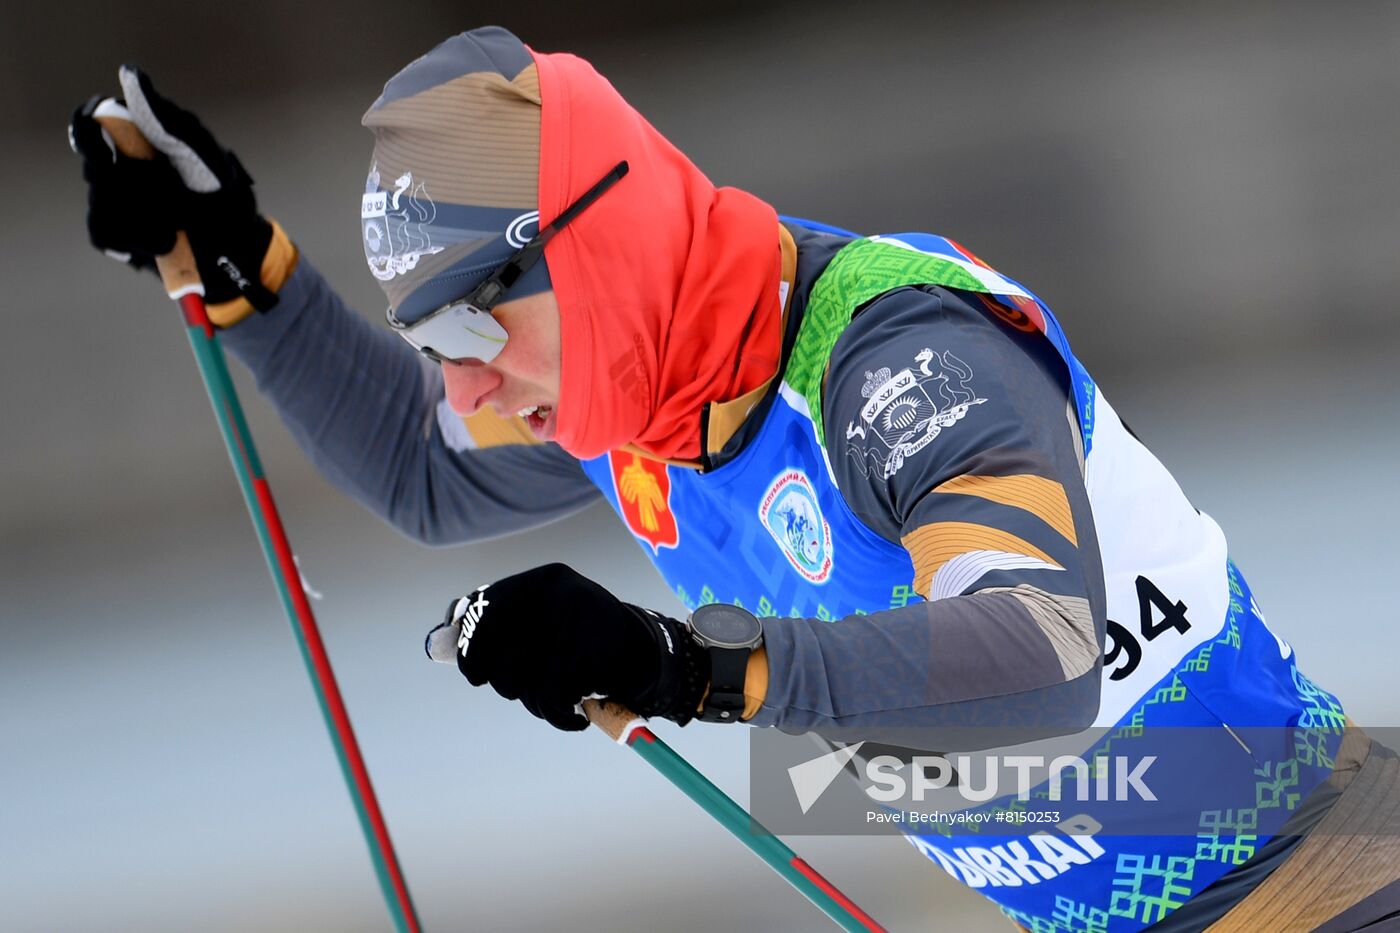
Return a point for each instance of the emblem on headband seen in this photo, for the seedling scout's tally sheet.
(394, 227)
(908, 409)
(644, 499)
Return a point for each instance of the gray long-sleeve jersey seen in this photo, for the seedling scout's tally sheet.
(1019, 641)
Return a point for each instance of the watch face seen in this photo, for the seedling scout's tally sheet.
(725, 626)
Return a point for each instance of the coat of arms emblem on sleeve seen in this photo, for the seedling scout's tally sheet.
(906, 410)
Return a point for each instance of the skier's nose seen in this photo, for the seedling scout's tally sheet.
(468, 383)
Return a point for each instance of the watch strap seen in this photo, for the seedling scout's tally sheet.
(725, 701)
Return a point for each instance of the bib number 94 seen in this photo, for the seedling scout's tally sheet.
(1125, 646)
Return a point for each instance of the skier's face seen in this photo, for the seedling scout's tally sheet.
(523, 376)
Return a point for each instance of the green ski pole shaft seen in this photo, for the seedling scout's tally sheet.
(628, 729)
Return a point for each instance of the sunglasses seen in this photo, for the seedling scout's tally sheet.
(464, 328)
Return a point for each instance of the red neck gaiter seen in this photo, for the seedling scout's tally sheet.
(667, 286)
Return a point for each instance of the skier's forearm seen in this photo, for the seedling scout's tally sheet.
(363, 407)
(979, 659)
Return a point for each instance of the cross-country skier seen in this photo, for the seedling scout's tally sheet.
(875, 459)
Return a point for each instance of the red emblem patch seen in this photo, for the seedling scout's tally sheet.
(643, 490)
(1025, 316)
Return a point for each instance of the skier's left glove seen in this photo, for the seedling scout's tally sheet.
(550, 638)
(194, 184)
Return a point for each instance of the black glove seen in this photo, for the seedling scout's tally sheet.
(550, 638)
(135, 206)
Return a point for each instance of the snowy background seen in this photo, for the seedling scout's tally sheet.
(1206, 193)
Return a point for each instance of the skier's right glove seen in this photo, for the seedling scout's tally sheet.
(135, 206)
(550, 637)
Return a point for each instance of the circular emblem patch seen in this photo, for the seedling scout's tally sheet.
(790, 512)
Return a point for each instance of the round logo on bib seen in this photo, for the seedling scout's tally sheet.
(790, 512)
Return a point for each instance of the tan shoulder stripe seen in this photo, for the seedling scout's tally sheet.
(1066, 621)
(1043, 498)
(931, 546)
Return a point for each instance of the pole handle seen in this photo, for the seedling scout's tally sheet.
(616, 720)
(178, 271)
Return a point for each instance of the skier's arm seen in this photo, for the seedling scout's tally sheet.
(358, 400)
(370, 414)
(994, 515)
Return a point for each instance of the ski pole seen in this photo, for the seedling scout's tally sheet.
(627, 728)
(180, 276)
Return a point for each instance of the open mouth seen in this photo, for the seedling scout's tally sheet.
(540, 418)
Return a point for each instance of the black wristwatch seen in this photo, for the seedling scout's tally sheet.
(729, 635)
